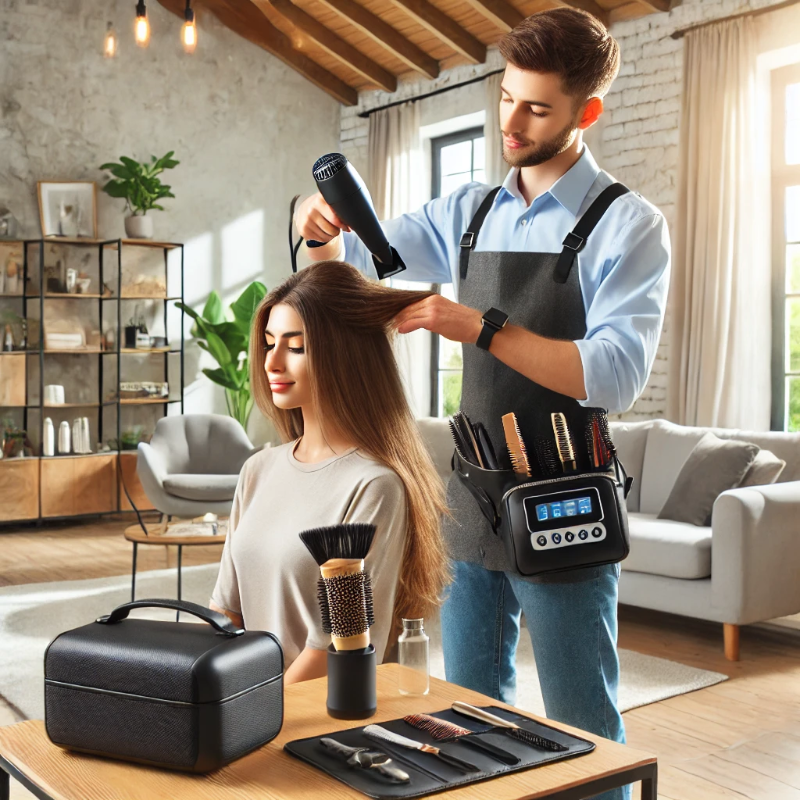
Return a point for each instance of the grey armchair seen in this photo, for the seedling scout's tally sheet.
(192, 464)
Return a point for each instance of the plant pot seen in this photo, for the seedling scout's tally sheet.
(139, 227)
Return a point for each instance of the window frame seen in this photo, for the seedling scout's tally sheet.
(437, 144)
(782, 176)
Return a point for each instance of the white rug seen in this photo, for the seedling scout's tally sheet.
(33, 614)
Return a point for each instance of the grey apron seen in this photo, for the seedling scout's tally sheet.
(541, 293)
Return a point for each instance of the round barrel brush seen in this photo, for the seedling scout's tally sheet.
(344, 590)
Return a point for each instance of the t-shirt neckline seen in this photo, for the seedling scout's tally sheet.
(303, 466)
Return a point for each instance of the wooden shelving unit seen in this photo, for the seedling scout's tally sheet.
(80, 484)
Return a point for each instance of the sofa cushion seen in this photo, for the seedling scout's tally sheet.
(668, 447)
(630, 439)
(671, 549)
(202, 487)
(765, 469)
(714, 466)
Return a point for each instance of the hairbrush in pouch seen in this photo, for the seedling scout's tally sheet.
(599, 445)
(564, 445)
(546, 457)
(516, 445)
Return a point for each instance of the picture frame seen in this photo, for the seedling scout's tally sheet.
(68, 209)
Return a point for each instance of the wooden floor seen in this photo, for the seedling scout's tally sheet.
(739, 739)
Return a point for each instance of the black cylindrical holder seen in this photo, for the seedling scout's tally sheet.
(351, 683)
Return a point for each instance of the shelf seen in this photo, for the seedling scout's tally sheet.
(70, 296)
(151, 243)
(77, 351)
(143, 352)
(61, 456)
(145, 401)
(145, 297)
(85, 240)
(10, 294)
(75, 405)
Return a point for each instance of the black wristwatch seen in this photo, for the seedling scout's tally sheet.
(493, 321)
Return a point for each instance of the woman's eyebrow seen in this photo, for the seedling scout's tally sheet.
(288, 335)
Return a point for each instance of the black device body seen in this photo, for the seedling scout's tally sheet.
(556, 524)
(343, 189)
(352, 683)
(170, 694)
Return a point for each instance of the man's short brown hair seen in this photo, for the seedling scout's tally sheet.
(568, 42)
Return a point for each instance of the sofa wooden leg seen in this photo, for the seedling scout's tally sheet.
(731, 635)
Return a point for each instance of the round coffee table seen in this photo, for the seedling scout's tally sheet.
(158, 534)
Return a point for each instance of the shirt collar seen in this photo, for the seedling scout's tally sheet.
(570, 189)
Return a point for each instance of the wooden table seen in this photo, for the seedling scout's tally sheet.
(51, 773)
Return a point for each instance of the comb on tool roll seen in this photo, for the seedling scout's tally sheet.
(516, 446)
(510, 728)
(564, 446)
(344, 590)
(380, 734)
(345, 600)
(444, 731)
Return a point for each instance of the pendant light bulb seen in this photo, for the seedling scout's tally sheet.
(110, 42)
(189, 30)
(142, 28)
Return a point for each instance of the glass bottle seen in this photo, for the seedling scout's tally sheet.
(413, 648)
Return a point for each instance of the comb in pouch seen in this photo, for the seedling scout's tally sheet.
(564, 447)
(465, 426)
(516, 446)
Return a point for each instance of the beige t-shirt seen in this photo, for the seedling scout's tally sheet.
(268, 576)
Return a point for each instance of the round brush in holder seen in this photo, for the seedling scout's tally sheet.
(345, 600)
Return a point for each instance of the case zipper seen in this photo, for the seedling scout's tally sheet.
(554, 480)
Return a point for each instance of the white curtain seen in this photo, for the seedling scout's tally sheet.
(496, 167)
(719, 371)
(398, 183)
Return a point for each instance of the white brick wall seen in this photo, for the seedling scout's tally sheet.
(638, 142)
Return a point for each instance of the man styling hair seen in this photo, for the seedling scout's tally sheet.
(537, 338)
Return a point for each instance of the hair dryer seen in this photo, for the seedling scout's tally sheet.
(343, 190)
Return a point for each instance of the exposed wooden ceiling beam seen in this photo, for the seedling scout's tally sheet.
(632, 10)
(446, 29)
(656, 6)
(500, 13)
(243, 18)
(331, 43)
(385, 35)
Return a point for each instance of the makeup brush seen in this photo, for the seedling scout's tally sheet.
(444, 731)
(344, 590)
(516, 446)
(566, 452)
(504, 726)
(380, 734)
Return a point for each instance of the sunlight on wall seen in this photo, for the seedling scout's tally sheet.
(242, 251)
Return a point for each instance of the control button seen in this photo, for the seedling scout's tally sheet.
(597, 532)
(542, 540)
(569, 536)
(556, 538)
(583, 535)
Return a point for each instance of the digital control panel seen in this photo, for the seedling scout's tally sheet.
(565, 518)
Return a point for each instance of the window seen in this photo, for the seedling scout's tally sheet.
(786, 247)
(456, 159)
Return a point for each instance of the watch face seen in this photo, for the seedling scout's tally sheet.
(496, 317)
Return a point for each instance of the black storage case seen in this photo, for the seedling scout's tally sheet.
(170, 694)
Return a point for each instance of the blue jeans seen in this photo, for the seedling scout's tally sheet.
(573, 628)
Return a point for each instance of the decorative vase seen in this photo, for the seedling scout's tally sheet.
(139, 226)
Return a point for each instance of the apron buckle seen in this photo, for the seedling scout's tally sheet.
(573, 242)
(468, 240)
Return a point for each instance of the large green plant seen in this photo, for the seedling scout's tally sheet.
(228, 341)
(138, 183)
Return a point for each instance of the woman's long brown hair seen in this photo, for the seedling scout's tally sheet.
(357, 389)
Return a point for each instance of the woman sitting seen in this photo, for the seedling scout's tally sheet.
(322, 369)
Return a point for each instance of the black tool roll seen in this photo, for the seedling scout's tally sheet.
(178, 695)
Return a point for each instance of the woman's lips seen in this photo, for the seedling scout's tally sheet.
(280, 387)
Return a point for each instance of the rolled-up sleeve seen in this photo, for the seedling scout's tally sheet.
(626, 315)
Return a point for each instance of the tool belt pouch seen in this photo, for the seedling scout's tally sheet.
(555, 524)
(166, 693)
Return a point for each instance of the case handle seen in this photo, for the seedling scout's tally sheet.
(218, 621)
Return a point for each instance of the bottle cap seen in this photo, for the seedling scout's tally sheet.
(413, 624)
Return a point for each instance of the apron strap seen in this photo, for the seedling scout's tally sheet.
(576, 239)
(470, 236)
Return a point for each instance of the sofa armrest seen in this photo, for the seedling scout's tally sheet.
(152, 471)
(755, 552)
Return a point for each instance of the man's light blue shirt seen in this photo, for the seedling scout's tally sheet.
(623, 268)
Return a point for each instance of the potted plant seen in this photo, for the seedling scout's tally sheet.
(228, 341)
(139, 185)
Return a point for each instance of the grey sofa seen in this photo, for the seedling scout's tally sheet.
(744, 568)
(192, 464)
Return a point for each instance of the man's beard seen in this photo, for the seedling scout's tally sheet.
(541, 152)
